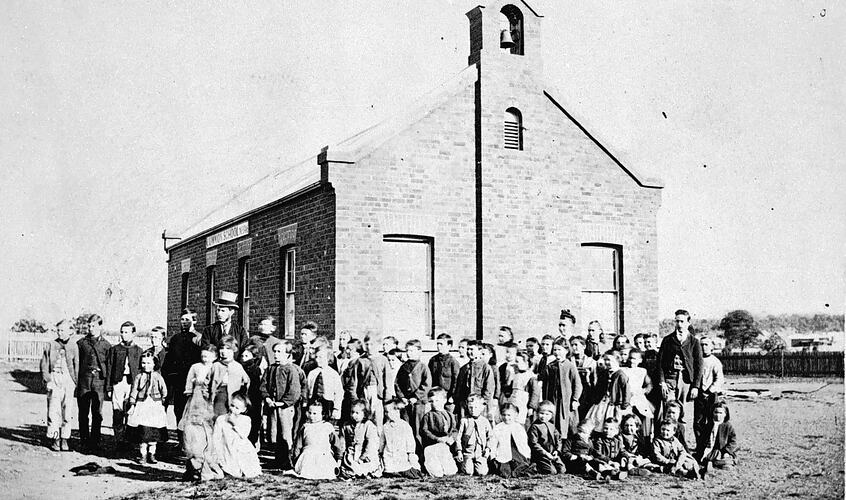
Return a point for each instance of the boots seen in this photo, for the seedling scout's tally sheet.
(64, 445)
(55, 445)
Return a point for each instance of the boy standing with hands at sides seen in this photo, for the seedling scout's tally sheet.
(545, 441)
(475, 439)
(379, 363)
(444, 369)
(437, 436)
(710, 388)
(358, 378)
(282, 389)
(474, 378)
(124, 362)
(59, 369)
(412, 386)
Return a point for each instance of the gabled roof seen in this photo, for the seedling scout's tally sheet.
(298, 177)
(639, 177)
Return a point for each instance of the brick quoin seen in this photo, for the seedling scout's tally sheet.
(507, 226)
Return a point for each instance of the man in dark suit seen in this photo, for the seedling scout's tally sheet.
(91, 390)
(683, 346)
(226, 305)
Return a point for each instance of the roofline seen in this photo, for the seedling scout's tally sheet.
(647, 182)
(524, 2)
(246, 215)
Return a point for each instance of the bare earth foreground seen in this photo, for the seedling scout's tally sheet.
(792, 441)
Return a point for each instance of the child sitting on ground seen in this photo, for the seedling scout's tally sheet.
(578, 451)
(147, 417)
(673, 411)
(474, 439)
(361, 457)
(545, 441)
(607, 449)
(635, 448)
(511, 454)
(718, 442)
(398, 446)
(316, 449)
(669, 453)
(236, 455)
(437, 434)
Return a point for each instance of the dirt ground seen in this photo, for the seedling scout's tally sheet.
(791, 438)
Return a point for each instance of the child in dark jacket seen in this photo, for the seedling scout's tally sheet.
(636, 450)
(718, 443)
(251, 362)
(545, 441)
(438, 432)
(608, 448)
(283, 388)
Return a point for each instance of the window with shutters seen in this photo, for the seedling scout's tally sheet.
(513, 129)
(602, 286)
(407, 298)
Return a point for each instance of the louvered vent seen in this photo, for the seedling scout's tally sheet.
(513, 131)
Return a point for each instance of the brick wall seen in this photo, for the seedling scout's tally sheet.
(314, 214)
(420, 182)
(540, 204)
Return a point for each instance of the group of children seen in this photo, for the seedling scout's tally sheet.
(559, 404)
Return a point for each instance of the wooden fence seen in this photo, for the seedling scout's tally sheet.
(784, 364)
(29, 347)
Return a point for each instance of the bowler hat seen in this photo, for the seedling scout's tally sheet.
(227, 299)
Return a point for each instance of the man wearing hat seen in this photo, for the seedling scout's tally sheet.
(226, 303)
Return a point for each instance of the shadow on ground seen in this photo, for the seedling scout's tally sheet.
(31, 380)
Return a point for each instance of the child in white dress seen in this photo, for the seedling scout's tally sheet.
(316, 449)
(147, 417)
(236, 455)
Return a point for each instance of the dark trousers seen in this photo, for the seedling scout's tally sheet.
(413, 414)
(545, 465)
(703, 409)
(91, 401)
(180, 399)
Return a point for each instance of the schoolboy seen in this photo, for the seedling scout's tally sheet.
(283, 388)
(475, 439)
(545, 441)
(379, 363)
(124, 363)
(444, 368)
(438, 431)
(474, 378)
(359, 379)
(412, 385)
(710, 388)
(59, 370)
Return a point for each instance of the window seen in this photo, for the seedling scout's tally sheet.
(512, 23)
(288, 282)
(513, 129)
(244, 292)
(184, 290)
(407, 299)
(602, 286)
(210, 318)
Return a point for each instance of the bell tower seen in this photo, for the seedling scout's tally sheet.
(504, 30)
(505, 48)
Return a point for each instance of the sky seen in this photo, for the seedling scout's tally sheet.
(121, 119)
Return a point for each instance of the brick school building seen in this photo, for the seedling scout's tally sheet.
(486, 204)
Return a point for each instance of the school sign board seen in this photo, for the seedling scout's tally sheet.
(228, 234)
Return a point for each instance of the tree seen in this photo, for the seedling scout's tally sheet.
(740, 330)
(29, 325)
(773, 343)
